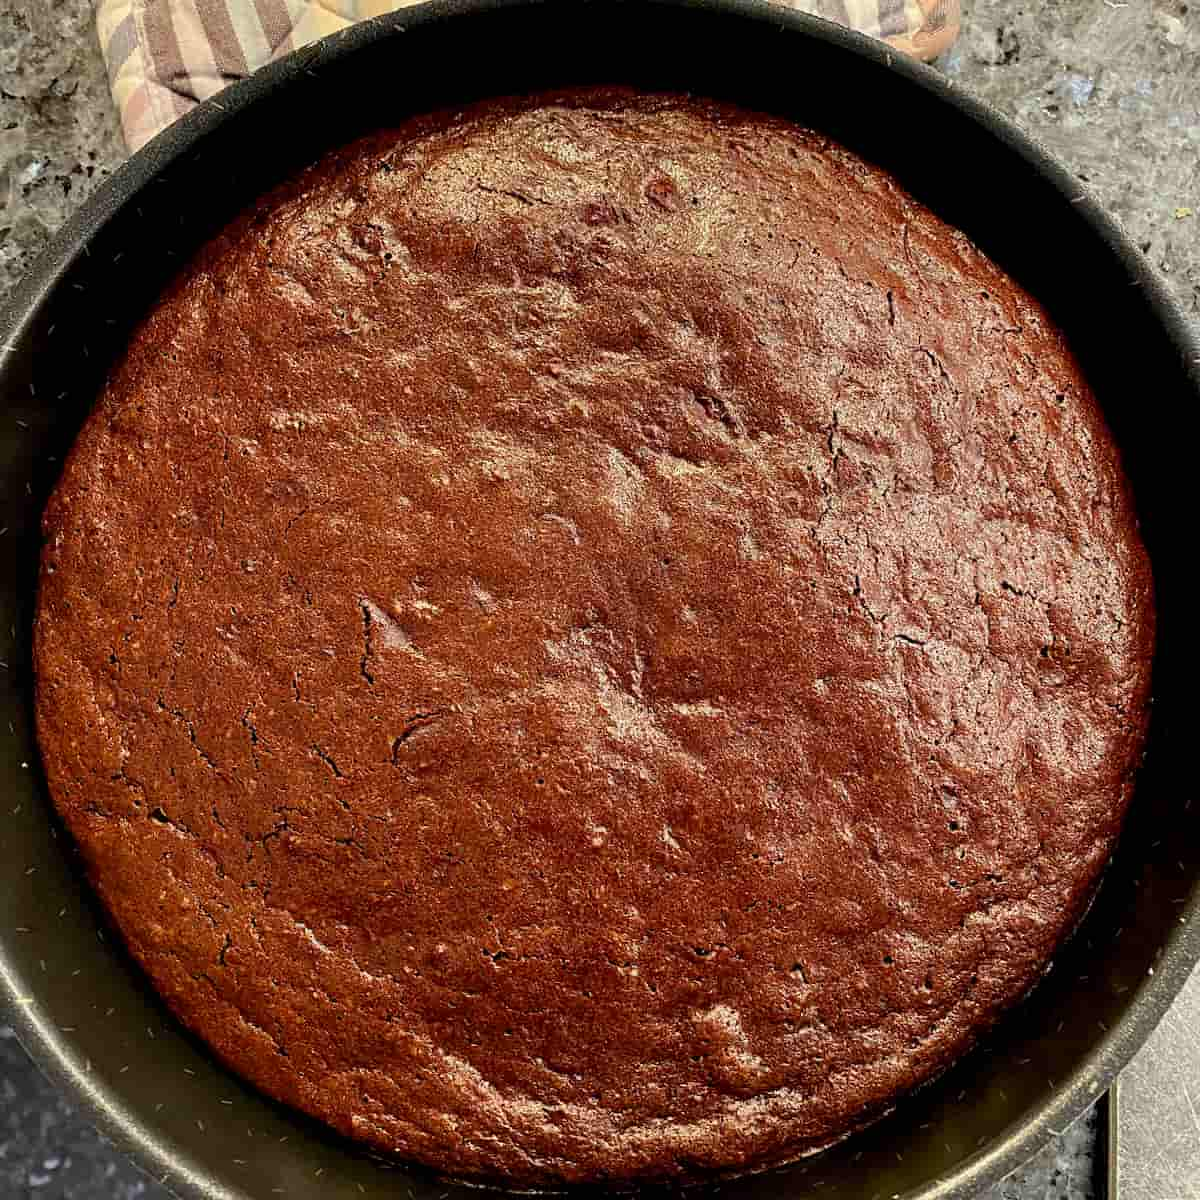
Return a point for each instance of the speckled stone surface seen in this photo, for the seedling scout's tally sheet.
(48, 1149)
(59, 136)
(1111, 87)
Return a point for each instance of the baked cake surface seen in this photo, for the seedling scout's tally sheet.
(593, 637)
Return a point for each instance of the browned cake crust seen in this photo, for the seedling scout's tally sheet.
(593, 638)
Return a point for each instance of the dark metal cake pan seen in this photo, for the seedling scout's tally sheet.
(81, 1008)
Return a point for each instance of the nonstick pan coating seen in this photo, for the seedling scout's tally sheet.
(89, 1017)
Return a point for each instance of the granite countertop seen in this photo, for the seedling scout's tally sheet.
(1112, 87)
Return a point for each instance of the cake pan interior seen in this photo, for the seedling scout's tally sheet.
(86, 1013)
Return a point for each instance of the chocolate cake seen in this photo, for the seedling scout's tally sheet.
(593, 638)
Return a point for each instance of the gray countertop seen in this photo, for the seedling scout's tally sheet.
(1110, 87)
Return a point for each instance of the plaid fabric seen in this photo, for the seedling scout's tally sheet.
(166, 56)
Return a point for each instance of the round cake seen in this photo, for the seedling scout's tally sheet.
(593, 638)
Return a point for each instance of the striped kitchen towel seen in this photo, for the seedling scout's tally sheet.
(166, 56)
